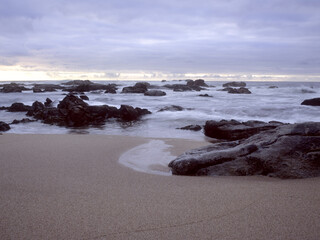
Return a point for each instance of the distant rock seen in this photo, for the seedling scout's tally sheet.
(172, 108)
(18, 107)
(38, 88)
(241, 90)
(139, 87)
(78, 82)
(235, 84)
(273, 87)
(205, 95)
(24, 120)
(311, 102)
(89, 87)
(198, 83)
(13, 87)
(191, 128)
(156, 93)
(234, 130)
(4, 127)
(288, 151)
(111, 88)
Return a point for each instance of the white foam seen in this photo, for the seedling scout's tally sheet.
(152, 157)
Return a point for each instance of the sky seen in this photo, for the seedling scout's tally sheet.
(166, 39)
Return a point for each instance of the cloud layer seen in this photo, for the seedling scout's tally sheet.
(166, 36)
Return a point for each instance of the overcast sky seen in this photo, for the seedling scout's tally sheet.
(168, 38)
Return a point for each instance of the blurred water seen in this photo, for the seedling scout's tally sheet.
(266, 104)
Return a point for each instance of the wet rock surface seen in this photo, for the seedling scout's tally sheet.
(288, 151)
(4, 127)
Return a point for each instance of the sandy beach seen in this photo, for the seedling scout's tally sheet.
(72, 187)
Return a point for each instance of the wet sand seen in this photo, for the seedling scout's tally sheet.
(72, 187)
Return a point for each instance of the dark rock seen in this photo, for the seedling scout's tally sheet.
(307, 91)
(38, 88)
(198, 82)
(273, 87)
(311, 102)
(139, 87)
(84, 97)
(192, 128)
(241, 90)
(288, 151)
(78, 82)
(19, 107)
(163, 80)
(234, 130)
(88, 87)
(172, 108)
(205, 95)
(24, 120)
(111, 88)
(156, 93)
(128, 113)
(13, 87)
(4, 127)
(48, 102)
(235, 84)
(184, 87)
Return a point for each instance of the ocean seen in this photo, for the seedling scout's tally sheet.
(282, 103)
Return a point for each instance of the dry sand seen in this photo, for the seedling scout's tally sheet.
(72, 187)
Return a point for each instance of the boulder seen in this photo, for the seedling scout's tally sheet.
(78, 82)
(198, 82)
(88, 87)
(311, 102)
(4, 127)
(128, 113)
(84, 97)
(235, 84)
(288, 151)
(234, 130)
(156, 93)
(48, 102)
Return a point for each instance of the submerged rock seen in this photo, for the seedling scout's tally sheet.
(191, 128)
(288, 151)
(311, 102)
(155, 93)
(172, 108)
(24, 120)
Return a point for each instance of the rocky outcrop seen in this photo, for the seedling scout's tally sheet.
(155, 93)
(78, 82)
(288, 151)
(311, 102)
(234, 84)
(235, 130)
(4, 127)
(197, 83)
(13, 87)
(74, 112)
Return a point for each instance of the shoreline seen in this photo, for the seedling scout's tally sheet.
(72, 187)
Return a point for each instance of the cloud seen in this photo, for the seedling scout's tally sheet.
(221, 36)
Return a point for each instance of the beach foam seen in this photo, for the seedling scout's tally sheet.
(152, 157)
